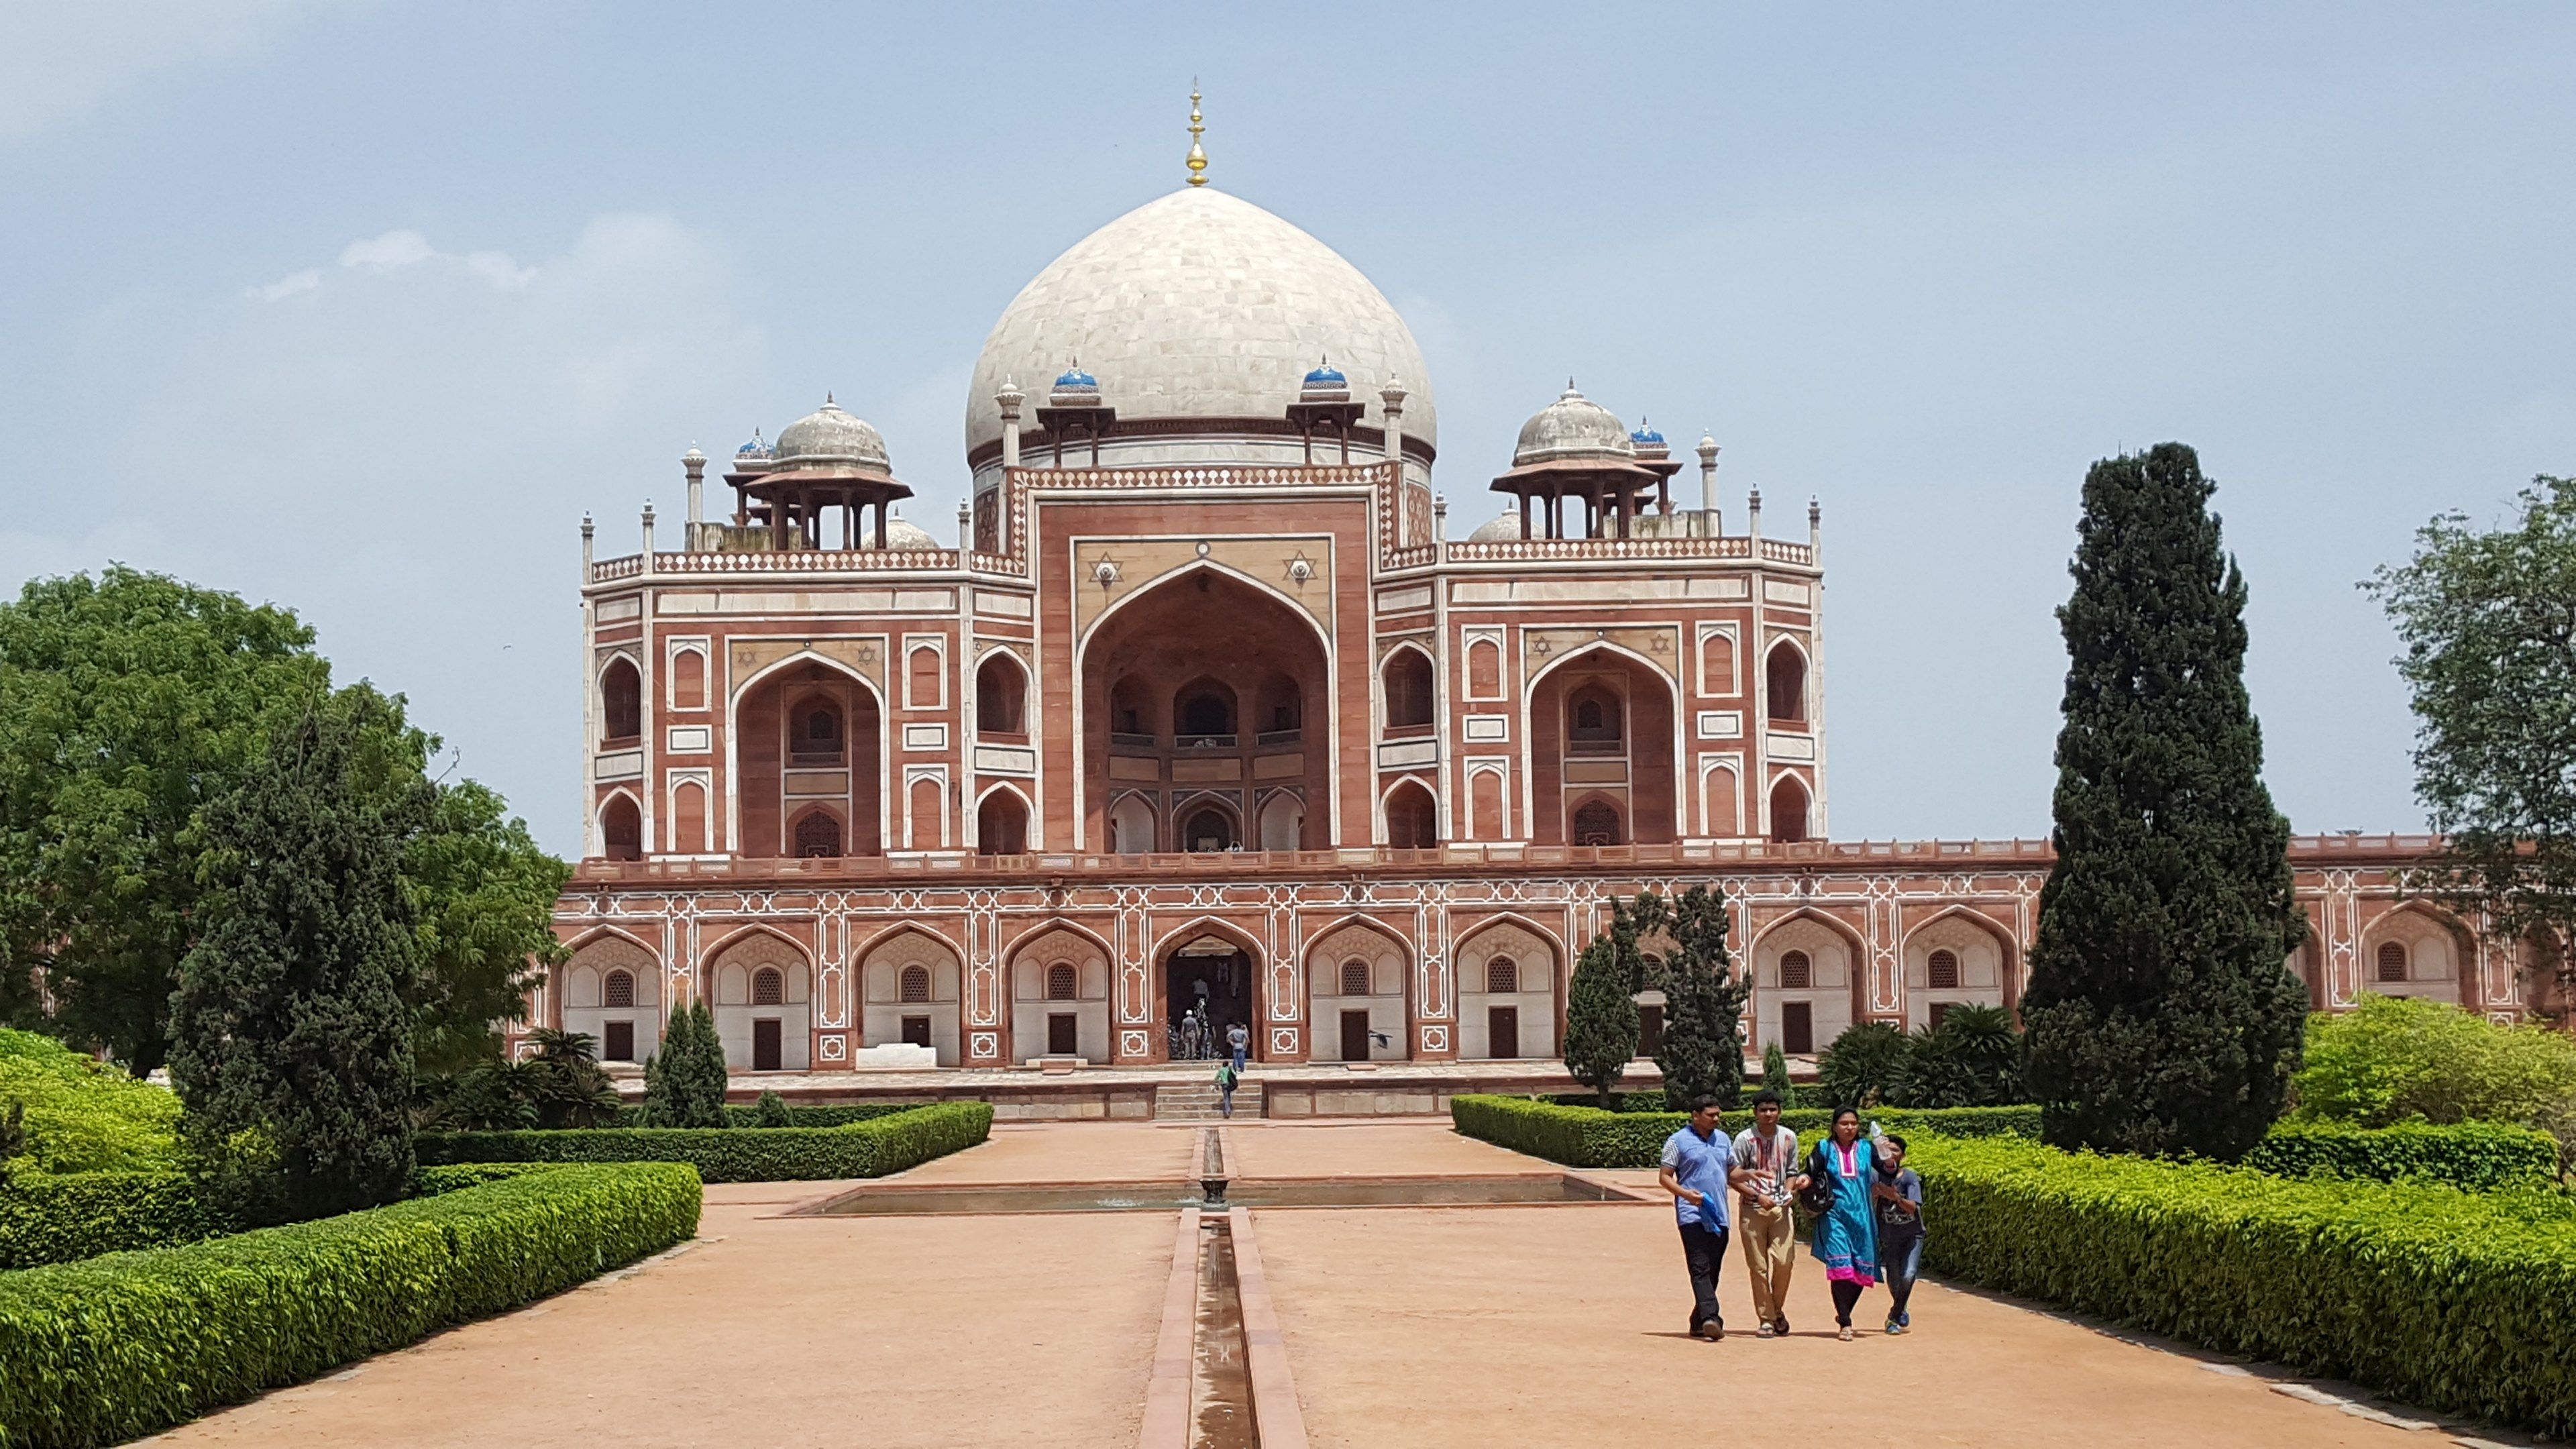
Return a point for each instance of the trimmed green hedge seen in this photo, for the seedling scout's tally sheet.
(2460, 1302)
(828, 1114)
(113, 1347)
(62, 1218)
(870, 1148)
(2472, 1155)
(1590, 1137)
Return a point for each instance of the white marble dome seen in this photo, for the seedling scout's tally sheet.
(1506, 529)
(831, 438)
(900, 534)
(1572, 428)
(1200, 305)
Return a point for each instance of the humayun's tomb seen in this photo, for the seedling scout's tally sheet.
(1203, 706)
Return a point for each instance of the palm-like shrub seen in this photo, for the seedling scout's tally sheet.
(1864, 1065)
(1972, 1059)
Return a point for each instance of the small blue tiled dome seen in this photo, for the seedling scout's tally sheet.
(1075, 377)
(1645, 435)
(1326, 375)
(755, 448)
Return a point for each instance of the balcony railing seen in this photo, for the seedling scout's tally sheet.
(1203, 742)
(1504, 856)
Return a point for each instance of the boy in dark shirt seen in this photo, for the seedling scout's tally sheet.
(1898, 1194)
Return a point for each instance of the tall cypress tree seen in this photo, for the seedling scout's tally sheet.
(1702, 1051)
(292, 1043)
(1600, 1018)
(2161, 1015)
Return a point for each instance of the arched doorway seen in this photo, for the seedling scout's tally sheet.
(807, 755)
(1412, 817)
(1002, 824)
(1788, 811)
(1199, 683)
(1208, 976)
(1601, 744)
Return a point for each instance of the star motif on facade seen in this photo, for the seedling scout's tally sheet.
(1105, 571)
(1300, 569)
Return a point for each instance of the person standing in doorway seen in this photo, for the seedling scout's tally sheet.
(1899, 1199)
(1238, 1040)
(1765, 1175)
(1696, 1160)
(1846, 1232)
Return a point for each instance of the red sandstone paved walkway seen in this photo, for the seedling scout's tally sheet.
(896, 1333)
(1482, 1327)
(1505, 1326)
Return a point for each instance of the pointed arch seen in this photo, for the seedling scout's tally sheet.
(1026, 823)
(619, 823)
(1180, 575)
(1408, 687)
(1001, 693)
(1210, 925)
(715, 949)
(2008, 956)
(620, 682)
(1852, 938)
(737, 785)
(1787, 670)
(1556, 967)
(1411, 810)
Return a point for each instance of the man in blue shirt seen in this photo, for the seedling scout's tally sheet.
(1696, 1161)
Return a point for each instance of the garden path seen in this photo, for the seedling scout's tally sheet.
(1430, 1327)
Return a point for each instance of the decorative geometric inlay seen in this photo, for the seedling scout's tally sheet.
(984, 1044)
(1283, 1040)
(1435, 1038)
(835, 1047)
(1131, 1043)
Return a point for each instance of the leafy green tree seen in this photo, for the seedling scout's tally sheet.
(1864, 1065)
(1600, 1018)
(483, 895)
(1702, 1050)
(2162, 1018)
(129, 704)
(772, 1110)
(1775, 1075)
(2391, 1058)
(290, 1027)
(1972, 1059)
(684, 1082)
(2488, 621)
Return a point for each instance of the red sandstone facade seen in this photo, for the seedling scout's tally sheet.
(1206, 708)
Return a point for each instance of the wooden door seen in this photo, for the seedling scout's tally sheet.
(1797, 1027)
(764, 1044)
(1650, 1030)
(916, 1031)
(1064, 1038)
(1355, 1036)
(1502, 1031)
(618, 1042)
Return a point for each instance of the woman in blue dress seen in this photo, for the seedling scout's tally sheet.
(1846, 1232)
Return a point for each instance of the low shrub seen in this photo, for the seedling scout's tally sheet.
(82, 1115)
(113, 1347)
(2452, 1300)
(2471, 1155)
(828, 1114)
(1581, 1136)
(871, 1147)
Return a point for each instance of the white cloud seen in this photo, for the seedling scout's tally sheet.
(390, 252)
(59, 59)
(401, 250)
(288, 285)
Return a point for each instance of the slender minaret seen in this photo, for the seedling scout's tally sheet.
(648, 536)
(1753, 513)
(694, 463)
(1009, 400)
(1708, 486)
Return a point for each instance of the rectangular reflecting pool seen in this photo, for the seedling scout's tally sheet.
(1243, 1192)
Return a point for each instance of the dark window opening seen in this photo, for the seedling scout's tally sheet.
(818, 836)
(617, 1042)
(621, 692)
(1798, 1028)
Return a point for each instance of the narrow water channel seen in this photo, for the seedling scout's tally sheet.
(1221, 1371)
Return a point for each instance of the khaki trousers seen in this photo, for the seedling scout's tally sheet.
(1770, 1239)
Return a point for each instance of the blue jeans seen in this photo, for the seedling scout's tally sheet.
(1238, 1060)
(1900, 1261)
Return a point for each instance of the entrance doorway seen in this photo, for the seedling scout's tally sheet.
(764, 1044)
(1211, 979)
(1355, 1036)
(1502, 1032)
(1064, 1034)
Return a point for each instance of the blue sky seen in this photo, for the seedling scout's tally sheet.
(357, 307)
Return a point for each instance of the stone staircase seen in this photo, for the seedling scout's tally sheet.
(1197, 1101)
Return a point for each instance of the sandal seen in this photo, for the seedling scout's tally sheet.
(1847, 1333)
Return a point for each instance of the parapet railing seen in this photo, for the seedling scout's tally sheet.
(1502, 855)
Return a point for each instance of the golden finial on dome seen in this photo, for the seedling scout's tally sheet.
(1198, 153)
